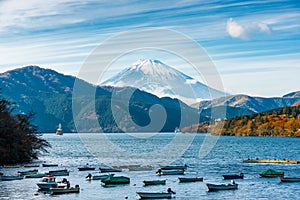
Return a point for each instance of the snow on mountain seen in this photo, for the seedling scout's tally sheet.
(157, 78)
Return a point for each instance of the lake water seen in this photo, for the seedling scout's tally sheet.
(69, 151)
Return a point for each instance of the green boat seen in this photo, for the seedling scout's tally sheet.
(271, 174)
(155, 182)
(113, 180)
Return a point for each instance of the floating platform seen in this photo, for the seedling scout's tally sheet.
(285, 161)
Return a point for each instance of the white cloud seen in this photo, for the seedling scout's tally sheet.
(236, 30)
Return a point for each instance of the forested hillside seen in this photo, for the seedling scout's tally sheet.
(278, 122)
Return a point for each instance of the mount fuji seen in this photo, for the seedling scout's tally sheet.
(155, 77)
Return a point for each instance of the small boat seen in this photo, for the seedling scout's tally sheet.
(59, 130)
(234, 176)
(110, 170)
(49, 165)
(11, 178)
(156, 195)
(96, 177)
(23, 173)
(49, 182)
(161, 172)
(66, 173)
(75, 189)
(86, 168)
(112, 180)
(174, 167)
(216, 187)
(37, 175)
(31, 166)
(289, 179)
(154, 182)
(189, 179)
(271, 174)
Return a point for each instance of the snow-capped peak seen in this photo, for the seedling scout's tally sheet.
(155, 77)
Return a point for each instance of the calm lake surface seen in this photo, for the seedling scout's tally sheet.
(70, 152)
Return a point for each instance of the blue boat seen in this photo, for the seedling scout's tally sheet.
(234, 176)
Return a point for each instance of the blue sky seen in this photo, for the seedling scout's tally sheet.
(255, 45)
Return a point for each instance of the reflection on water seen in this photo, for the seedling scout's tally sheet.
(226, 157)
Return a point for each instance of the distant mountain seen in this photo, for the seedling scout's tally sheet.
(49, 95)
(292, 95)
(159, 79)
(237, 105)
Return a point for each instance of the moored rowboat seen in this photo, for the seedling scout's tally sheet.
(154, 182)
(169, 172)
(50, 165)
(75, 189)
(109, 170)
(289, 179)
(96, 177)
(216, 187)
(156, 195)
(86, 168)
(10, 178)
(234, 176)
(174, 167)
(190, 179)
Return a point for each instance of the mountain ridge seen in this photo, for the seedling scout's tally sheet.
(49, 95)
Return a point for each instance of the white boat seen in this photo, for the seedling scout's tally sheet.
(216, 187)
(289, 179)
(75, 189)
(156, 195)
(161, 172)
(59, 130)
(90, 177)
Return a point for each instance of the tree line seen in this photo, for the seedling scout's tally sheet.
(278, 122)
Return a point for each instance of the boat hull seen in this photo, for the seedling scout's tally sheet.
(155, 182)
(100, 177)
(114, 180)
(65, 190)
(233, 176)
(86, 168)
(215, 187)
(11, 178)
(35, 175)
(170, 172)
(47, 185)
(290, 179)
(50, 165)
(186, 180)
(155, 195)
(174, 167)
(109, 170)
